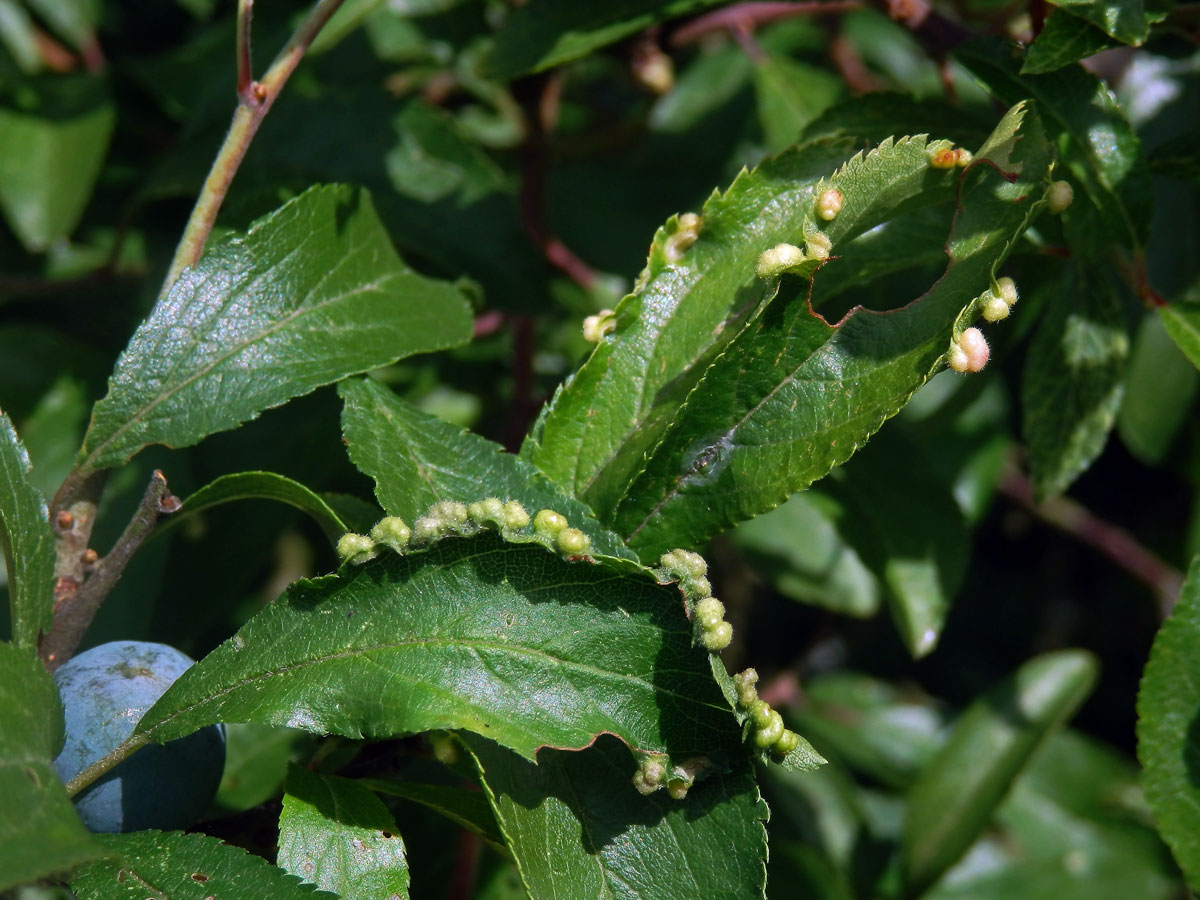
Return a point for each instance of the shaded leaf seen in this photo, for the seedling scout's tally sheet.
(1168, 729)
(40, 832)
(1095, 141)
(336, 834)
(800, 549)
(27, 540)
(908, 529)
(417, 460)
(468, 808)
(1182, 322)
(260, 486)
(312, 293)
(1159, 389)
(794, 396)
(577, 828)
(256, 761)
(992, 741)
(876, 116)
(1073, 380)
(1178, 157)
(1064, 39)
(790, 95)
(509, 641)
(74, 20)
(545, 33)
(182, 867)
(50, 156)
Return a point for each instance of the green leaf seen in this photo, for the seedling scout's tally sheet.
(260, 486)
(1124, 20)
(74, 20)
(876, 116)
(1178, 157)
(336, 834)
(1095, 142)
(960, 788)
(312, 293)
(545, 33)
(509, 641)
(1159, 390)
(51, 149)
(468, 808)
(27, 540)
(790, 95)
(800, 550)
(417, 460)
(19, 36)
(256, 761)
(1064, 39)
(1168, 729)
(908, 529)
(1073, 380)
(576, 828)
(40, 833)
(794, 396)
(1182, 322)
(182, 867)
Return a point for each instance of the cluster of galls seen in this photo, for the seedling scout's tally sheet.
(655, 773)
(451, 518)
(769, 733)
(708, 613)
(944, 155)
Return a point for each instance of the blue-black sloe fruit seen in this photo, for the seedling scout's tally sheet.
(104, 692)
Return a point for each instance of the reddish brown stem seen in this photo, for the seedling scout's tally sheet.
(746, 17)
(1115, 543)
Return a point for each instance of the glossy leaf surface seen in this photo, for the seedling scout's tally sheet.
(27, 540)
(40, 832)
(1124, 20)
(794, 396)
(577, 828)
(1063, 40)
(335, 834)
(508, 641)
(417, 460)
(312, 293)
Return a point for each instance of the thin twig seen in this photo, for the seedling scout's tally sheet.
(1117, 544)
(255, 99)
(244, 66)
(745, 17)
(76, 604)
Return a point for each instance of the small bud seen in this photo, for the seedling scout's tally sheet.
(426, 529)
(788, 741)
(995, 309)
(513, 516)
(597, 326)
(760, 713)
(970, 352)
(745, 683)
(778, 260)
(717, 638)
(1008, 290)
(548, 523)
(829, 204)
(653, 69)
(686, 235)
(677, 788)
(710, 612)
(942, 155)
(818, 245)
(768, 734)
(445, 750)
(963, 157)
(684, 564)
(392, 532)
(1059, 196)
(356, 548)
(64, 521)
(573, 541)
